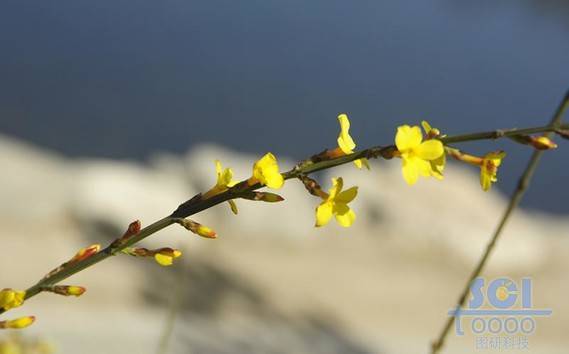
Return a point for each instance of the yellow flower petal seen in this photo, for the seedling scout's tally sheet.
(274, 180)
(323, 213)
(430, 150)
(485, 181)
(410, 171)
(224, 176)
(266, 171)
(438, 166)
(408, 137)
(347, 218)
(347, 196)
(345, 141)
(424, 167)
(362, 162)
(163, 260)
(337, 185)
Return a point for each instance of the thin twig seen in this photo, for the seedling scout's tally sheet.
(173, 310)
(197, 204)
(517, 196)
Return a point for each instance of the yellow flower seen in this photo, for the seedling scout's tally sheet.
(224, 177)
(437, 165)
(416, 153)
(224, 182)
(165, 257)
(11, 298)
(345, 141)
(18, 323)
(489, 168)
(336, 203)
(266, 171)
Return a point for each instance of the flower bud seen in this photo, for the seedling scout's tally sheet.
(197, 228)
(542, 143)
(85, 253)
(10, 298)
(132, 230)
(163, 256)
(166, 256)
(18, 323)
(68, 290)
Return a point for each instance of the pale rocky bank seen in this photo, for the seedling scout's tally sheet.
(271, 282)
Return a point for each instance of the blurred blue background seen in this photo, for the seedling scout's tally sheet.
(125, 79)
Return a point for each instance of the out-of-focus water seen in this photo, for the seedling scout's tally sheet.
(125, 79)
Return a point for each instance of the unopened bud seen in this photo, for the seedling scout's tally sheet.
(18, 323)
(10, 298)
(166, 256)
(163, 256)
(197, 228)
(132, 230)
(67, 290)
(542, 143)
(85, 253)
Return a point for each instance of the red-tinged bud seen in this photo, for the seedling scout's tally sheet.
(197, 228)
(85, 253)
(18, 323)
(67, 290)
(132, 230)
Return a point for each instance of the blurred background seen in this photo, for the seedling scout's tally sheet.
(112, 111)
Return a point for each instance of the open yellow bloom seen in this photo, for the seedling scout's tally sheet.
(336, 204)
(223, 183)
(165, 257)
(11, 298)
(18, 323)
(345, 141)
(416, 153)
(266, 171)
(224, 177)
(489, 168)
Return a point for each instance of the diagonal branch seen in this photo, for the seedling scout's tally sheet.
(198, 204)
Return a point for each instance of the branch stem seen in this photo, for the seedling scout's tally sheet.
(515, 199)
(197, 204)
